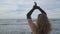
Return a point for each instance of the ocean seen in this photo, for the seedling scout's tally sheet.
(20, 26)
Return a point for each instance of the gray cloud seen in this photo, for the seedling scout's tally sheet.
(19, 8)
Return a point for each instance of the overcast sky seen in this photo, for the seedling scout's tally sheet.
(17, 9)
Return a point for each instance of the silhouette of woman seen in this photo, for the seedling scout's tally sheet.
(43, 26)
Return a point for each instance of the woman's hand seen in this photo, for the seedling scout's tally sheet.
(35, 6)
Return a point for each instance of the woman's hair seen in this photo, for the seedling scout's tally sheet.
(43, 24)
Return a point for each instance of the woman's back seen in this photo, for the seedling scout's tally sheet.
(43, 24)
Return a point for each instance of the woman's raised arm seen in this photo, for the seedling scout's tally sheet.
(29, 13)
(42, 11)
(30, 22)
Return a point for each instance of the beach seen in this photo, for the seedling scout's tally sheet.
(20, 26)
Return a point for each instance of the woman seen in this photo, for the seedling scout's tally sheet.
(43, 26)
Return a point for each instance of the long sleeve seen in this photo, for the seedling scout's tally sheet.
(29, 14)
(42, 11)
